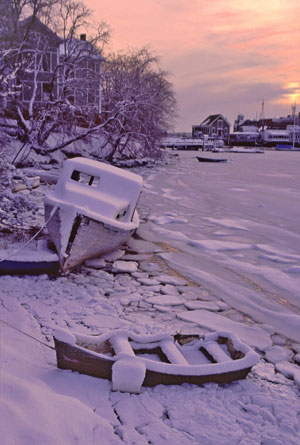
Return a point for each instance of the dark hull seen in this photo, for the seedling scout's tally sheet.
(203, 159)
(9, 267)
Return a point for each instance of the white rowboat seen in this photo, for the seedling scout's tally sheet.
(92, 210)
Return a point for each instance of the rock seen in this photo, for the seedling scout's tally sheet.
(277, 354)
(164, 309)
(197, 304)
(266, 371)
(125, 266)
(278, 340)
(135, 257)
(170, 279)
(139, 275)
(296, 347)
(95, 263)
(165, 300)
(194, 292)
(155, 288)
(28, 183)
(289, 370)
(149, 267)
(169, 289)
(148, 281)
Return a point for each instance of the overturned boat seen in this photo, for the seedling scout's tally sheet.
(91, 211)
(131, 360)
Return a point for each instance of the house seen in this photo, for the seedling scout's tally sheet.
(246, 132)
(246, 124)
(215, 126)
(267, 131)
(53, 69)
(247, 136)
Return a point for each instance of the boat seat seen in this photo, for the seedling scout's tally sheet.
(172, 353)
(215, 350)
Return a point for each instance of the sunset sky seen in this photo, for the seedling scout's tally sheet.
(223, 56)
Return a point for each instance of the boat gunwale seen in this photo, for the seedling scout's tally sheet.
(170, 369)
(97, 217)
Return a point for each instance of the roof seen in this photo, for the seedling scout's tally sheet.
(212, 118)
(249, 123)
(33, 23)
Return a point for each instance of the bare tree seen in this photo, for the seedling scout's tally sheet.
(51, 80)
(148, 106)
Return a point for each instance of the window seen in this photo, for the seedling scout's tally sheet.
(46, 62)
(46, 91)
(85, 178)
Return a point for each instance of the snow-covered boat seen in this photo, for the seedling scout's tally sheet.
(245, 150)
(92, 210)
(130, 360)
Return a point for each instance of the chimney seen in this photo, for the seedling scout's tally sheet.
(83, 37)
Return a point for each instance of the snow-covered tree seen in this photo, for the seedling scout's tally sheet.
(148, 106)
(50, 81)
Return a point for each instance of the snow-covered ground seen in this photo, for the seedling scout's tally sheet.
(218, 248)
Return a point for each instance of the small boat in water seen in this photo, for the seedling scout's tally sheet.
(204, 159)
(284, 146)
(246, 150)
(131, 360)
(91, 211)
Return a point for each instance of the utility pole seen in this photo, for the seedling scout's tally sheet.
(294, 129)
(263, 114)
(262, 117)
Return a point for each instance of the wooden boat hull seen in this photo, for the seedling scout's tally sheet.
(88, 238)
(83, 362)
(93, 364)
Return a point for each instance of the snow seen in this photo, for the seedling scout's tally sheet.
(27, 254)
(128, 374)
(64, 336)
(254, 336)
(100, 191)
(252, 284)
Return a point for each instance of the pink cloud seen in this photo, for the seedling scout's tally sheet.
(237, 42)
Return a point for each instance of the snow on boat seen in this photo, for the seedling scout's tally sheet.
(130, 360)
(24, 261)
(92, 210)
(246, 150)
